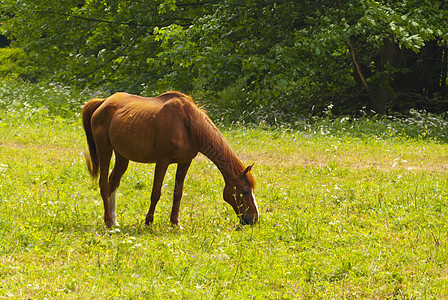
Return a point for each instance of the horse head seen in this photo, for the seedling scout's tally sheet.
(239, 193)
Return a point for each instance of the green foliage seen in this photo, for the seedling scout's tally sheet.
(15, 64)
(94, 42)
(288, 55)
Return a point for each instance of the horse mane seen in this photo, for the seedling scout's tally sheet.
(210, 140)
(175, 94)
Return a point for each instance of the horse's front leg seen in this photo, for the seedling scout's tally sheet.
(159, 174)
(178, 187)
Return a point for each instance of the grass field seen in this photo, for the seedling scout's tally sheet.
(359, 212)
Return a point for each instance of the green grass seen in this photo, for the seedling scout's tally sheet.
(351, 213)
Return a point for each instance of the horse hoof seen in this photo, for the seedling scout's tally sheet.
(108, 223)
(149, 220)
(239, 227)
(177, 226)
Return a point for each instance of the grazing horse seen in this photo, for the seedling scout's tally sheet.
(163, 130)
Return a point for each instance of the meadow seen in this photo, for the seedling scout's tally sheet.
(349, 208)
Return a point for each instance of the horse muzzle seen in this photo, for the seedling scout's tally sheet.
(248, 220)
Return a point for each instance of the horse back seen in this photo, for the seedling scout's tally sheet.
(145, 129)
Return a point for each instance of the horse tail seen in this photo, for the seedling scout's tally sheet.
(92, 159)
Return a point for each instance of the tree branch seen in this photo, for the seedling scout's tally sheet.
(118, 54)
(187, 21)
(351, 49)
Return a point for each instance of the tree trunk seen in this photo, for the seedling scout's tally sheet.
(443, 73)
(382, 96)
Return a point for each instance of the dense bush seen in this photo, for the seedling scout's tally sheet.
(16, 64)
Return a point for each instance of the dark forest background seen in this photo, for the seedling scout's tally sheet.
(254, 60)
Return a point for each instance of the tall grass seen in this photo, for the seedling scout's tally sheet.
(58, 101)
(45, 100)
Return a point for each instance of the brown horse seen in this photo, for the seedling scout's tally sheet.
(163, 130)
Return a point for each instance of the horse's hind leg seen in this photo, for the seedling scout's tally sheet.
(159, 174)
(121, 164)
(178, 187)
(105, 154)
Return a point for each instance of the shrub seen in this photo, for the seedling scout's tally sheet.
(16, 64)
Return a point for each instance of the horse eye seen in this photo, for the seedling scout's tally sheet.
(246, 193)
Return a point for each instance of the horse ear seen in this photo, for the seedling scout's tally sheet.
(247, 169)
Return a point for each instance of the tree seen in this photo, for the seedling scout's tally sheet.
(392, 33)
(96, 42)
(280, 57)
(313, 47)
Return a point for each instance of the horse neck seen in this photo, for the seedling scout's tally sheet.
(213, 145)
(224, 158)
